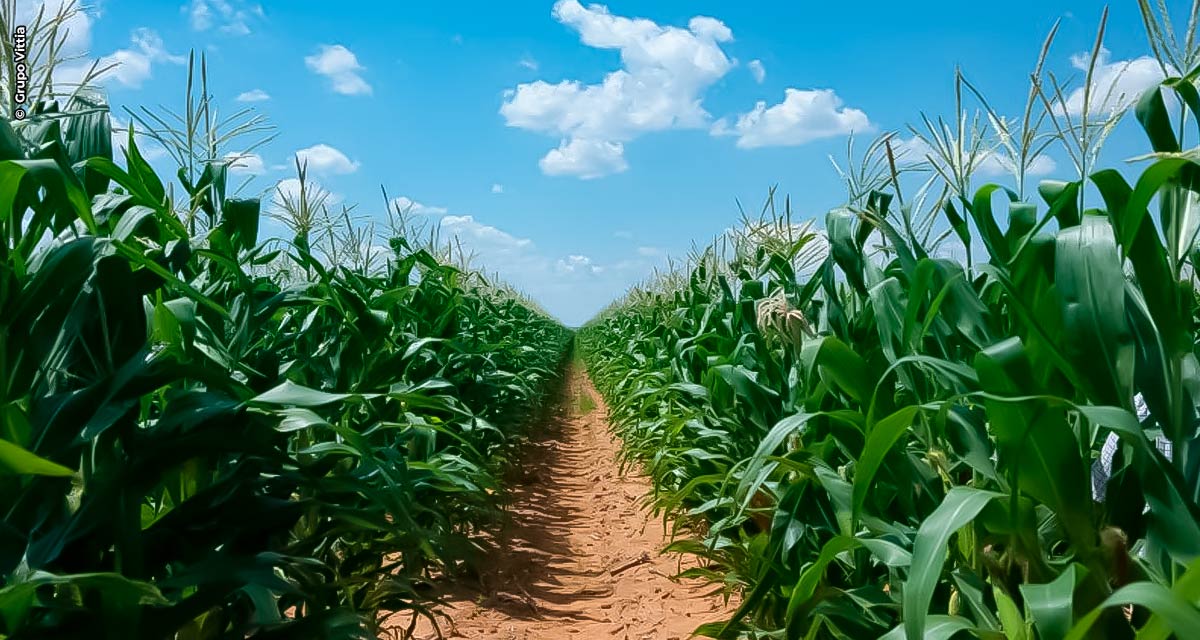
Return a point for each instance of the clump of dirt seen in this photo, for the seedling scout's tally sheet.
(580, 557)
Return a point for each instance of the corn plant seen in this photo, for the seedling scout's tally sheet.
(899, 445)
(193, 447)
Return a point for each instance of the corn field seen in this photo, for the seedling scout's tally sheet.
(867, 437)
(948, 410)
(208, 436)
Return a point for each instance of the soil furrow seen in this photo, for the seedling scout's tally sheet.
(580, 557)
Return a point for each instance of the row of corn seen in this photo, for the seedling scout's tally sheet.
(207, 436)
(973, 418)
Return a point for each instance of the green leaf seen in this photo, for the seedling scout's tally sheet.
(1187, 587)
(17, 460)
(754, 475)
(1174, 610)
(1050, 604)
(142, 172)
(1099, 340)
(960, 507)
(936, 628)
(240, 219)
(1036, 443)
(1011, 619)
(810, 577)
(290, 393)
(880, 440)
(845, 368)
(840, 226)
(981, 211)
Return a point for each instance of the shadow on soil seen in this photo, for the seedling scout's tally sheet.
(528, 570)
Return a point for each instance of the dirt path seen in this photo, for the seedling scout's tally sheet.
(580, 558)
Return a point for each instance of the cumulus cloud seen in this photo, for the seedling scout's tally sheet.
(128, 67)
(323, 159)
(483, 237)
(664, 73)
(577, 264)
(757, 70)
(803, 116)
(910, 150)
(991, 162)
(227, 17)
(995, 164)
(571, 283)
(341, 67)
(246, 164)
(150, 149)
(407, 205)
(1115, 85)
(77, 25)
(253, 95)
(288, 190)
(584, 158)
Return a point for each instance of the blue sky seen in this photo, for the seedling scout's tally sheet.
(573, 146)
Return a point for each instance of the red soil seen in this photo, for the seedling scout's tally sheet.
(580, 558)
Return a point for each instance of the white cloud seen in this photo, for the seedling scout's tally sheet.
(482, 237)
(665, 70)
(247, 164)
(325, 160)
(129, 68)
(151, 45)
(408, 205)
(992, 162)
(1115, 85)
(577, 264)
(910, 150)
(995, 164)
(77, 27)
(133, 66)
(624, 235)
(651, 252)
(585, 158)
(571, 284)
(529, 63)
(223, 14)
(150, 149)
(288, 189)
(341, 66)
(78, 24)
(253, 95)
(757, 70)
(497, 188)
(200, 14)
(1042, 166)
(803, 116)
